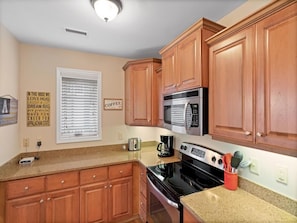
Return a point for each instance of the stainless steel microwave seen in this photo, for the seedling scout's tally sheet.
(186, 112)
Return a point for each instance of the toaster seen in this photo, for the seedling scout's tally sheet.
(134, 144)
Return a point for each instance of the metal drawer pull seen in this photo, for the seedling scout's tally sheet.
(41, 201)
(26, 188)
(48, 198)
(94, 176)
(121, 171)
(259, 134)
(247, 133)
(62, 181)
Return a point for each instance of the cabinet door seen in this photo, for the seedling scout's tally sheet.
(93, 203)
(141, 84)
(188, 65)
(62, 206)
(120, 198)
(189, 217)
(277, 81)
(25, 210)
(231, 87)
(169, 73)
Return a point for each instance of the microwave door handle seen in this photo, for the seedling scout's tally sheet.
(185, 115)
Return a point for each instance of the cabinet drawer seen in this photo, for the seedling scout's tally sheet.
(20, 188)
(118, 171)
(62, 181)
(93, 175)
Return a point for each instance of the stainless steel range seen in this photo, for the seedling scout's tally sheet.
(199, 169)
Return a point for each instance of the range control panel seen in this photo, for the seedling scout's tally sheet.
(203, 154)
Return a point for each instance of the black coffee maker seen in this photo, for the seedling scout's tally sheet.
(165, 147)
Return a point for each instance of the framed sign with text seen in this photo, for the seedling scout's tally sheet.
(113, 104)
(38, 109)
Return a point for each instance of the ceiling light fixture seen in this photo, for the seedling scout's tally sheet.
(107, 9)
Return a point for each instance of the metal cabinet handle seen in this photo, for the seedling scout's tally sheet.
(48, 198)
(62, 181)
(94, 176)
(121, 171)
(259, 134)
(26, 188)
(41, 201)
(110, 186)
(247, 133)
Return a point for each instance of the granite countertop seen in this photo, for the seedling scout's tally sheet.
(225, 206)
(214, 205)
(77, 159)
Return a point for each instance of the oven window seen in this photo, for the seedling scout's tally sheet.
(158, 212)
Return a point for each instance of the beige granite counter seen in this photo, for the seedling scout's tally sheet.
(225, 206)
(77, 159)
(214, 205)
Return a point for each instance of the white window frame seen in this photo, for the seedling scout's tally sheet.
(79, 74)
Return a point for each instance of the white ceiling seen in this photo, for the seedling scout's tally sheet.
(140, 30)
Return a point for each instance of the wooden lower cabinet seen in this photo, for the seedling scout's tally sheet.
(95, 195)
(142, 193)
(106, 194)
(120, 199)
(189, 217)
(26, 209)
(62, 206)
(93, 203)
(59, 206)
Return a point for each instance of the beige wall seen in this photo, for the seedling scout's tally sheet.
(243, 11)
(38, 73)
(9, 71)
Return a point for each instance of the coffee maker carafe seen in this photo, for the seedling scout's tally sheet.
(165, 147)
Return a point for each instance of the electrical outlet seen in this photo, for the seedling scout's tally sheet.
(254, 168)
(281, 174)
(38, 143)
(26, 142)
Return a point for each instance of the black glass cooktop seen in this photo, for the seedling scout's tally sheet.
(179, 179)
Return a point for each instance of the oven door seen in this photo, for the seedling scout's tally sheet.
(162, 209)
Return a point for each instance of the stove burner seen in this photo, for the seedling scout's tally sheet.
(175, 184)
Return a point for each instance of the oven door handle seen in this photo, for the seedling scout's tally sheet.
(170, 202)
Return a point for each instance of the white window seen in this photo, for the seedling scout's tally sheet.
(78, 105)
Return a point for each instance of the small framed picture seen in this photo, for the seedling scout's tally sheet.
(113, 104)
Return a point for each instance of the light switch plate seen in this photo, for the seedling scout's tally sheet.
(281, 174)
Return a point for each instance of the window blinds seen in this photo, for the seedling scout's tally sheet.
(79, 109)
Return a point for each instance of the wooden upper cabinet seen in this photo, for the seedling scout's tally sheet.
(253, 81)
(141, 92)
(276, 79)
(231, 87)
(185, 60)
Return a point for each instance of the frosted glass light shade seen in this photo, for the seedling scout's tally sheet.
(107, 9)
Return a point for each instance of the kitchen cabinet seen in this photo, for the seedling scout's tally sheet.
(50, 199)
(120, 194)
(141, 92)
(189, 217)
(106, 193)
(253, 82)
(93, 195)
(142, 193)
(160, 97)
(185, 60)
